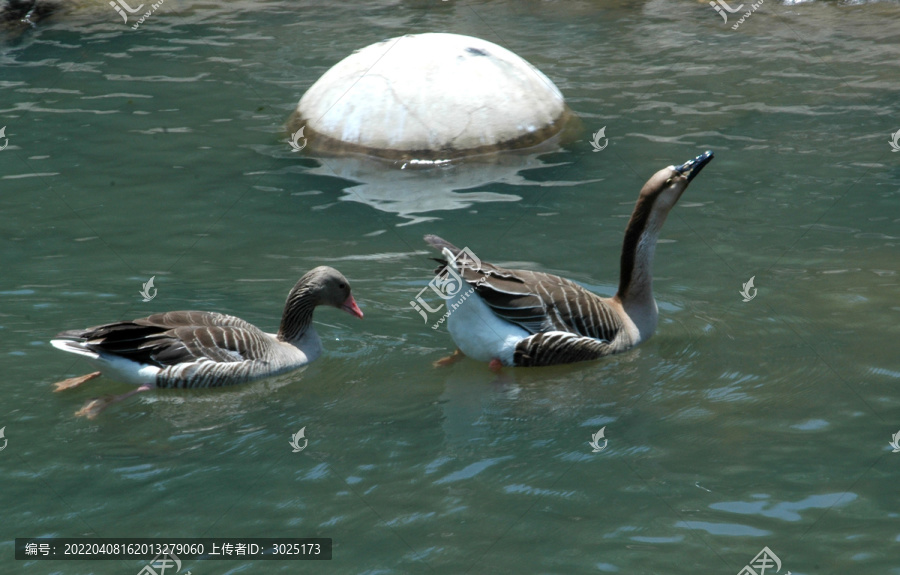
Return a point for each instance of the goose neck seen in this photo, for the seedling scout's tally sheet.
(636, 266)
(297, 316)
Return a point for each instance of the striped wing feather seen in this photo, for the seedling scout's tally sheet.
(538, 302)
(556, 347)
(173, 338)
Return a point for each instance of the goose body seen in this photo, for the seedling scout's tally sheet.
(207, 349)
(188, 349)
(526, 318)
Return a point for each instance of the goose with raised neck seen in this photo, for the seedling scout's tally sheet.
(525, 318)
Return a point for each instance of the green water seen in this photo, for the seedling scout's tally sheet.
(739, 425)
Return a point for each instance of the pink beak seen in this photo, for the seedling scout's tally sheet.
(350, 307)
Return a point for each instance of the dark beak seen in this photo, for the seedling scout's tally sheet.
(692, 168)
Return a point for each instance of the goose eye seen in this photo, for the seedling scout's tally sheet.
(342, 286)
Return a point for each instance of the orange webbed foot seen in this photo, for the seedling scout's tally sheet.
(94, 407)
(74, 382)
(450, 359)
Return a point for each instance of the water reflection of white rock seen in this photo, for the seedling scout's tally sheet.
(412, 190)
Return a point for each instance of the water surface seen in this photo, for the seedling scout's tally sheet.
(160, 152)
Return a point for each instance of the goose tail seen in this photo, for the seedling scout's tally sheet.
(73, 346)
(440, 244)
(448, 250)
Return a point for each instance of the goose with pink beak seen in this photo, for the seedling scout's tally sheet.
(206, 349)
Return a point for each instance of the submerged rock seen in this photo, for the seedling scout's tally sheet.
(429, 97)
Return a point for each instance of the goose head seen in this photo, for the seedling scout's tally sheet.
(320, 286)
(665, 187)
(326, 286)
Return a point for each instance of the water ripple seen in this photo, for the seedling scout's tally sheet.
(729, 529)
(472, 470)
(786, 511)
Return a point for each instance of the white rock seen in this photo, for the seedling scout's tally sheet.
(430, 96)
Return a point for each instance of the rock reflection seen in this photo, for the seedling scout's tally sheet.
(415, 190)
